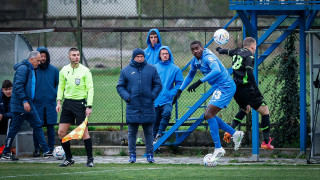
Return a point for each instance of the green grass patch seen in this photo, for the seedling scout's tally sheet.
(156, 171)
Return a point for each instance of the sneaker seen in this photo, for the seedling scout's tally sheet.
(132, 158)
(90, 162)
(9, 156)
(48, 154)
(150, 158)
(267, 146)
(218, 153)
(67, 162)
(237, 138)
(36, 153)
(227, 137)
(158, 136)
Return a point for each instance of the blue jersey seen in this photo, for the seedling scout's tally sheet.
(216, 75)
(210, 66)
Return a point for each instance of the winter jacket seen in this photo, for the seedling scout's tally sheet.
(151, 53)
(22, 87)
(6, 114)
(46, 89)
(139, 85)
(171, 79)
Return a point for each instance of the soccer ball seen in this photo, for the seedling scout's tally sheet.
(59, 153)
(221, 37)
(208, 161)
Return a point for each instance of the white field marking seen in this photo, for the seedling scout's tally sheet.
(71, 173)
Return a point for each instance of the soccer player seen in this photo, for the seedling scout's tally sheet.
(76, 86)
(247, 94)
(171, 79)
(154, 44)
(45, 100)
(218, 77)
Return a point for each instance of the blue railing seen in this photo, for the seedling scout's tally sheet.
(272, 2)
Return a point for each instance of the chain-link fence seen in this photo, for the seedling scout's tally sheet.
(109, 30)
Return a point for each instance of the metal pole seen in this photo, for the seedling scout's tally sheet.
(140, 23)
(79, 26)
(303, 103)
(122, 106)
(255, 114)
(44, 16)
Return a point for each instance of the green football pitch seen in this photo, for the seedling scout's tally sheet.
(157, 171)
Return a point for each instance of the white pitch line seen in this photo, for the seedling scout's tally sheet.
(85, 172)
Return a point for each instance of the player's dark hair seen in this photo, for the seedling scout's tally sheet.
(196, 42)
(6, 84)
(248, 41)
(73, 49)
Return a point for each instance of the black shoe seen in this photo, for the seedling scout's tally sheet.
(8, 156)
(36, 153)
(48, 154)
(67, 162)
(90, 162)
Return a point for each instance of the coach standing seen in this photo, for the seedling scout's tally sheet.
(139, 85)
(45, 99)
(75, 84)
(23, 93)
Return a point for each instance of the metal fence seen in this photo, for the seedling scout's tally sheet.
(108, 30)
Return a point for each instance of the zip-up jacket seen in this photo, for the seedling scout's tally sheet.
(171, 79)
(139, 85)
(46, 89)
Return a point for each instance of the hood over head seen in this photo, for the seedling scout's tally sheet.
(158, 33)
(43, 49)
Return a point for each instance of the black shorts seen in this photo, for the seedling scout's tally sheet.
(73, 111)
(246, 95)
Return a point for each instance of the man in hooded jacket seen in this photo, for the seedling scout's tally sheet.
(171, 79)
(139, 85)
(154, 44)
(45, 99)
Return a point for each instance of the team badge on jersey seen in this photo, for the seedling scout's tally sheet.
(77, 81)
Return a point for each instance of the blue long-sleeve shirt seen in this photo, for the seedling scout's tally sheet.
(210, 66)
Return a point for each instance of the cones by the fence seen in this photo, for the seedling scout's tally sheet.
(77, 133)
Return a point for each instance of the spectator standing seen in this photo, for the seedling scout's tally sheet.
(139, 85)
(171, 79)
(45, 99)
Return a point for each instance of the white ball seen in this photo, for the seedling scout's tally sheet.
(221, 37)
(208, 161)
(59, 153)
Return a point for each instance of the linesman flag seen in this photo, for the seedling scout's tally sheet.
(77, 133)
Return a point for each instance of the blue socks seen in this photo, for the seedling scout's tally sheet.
(214, 131)
(216, 123)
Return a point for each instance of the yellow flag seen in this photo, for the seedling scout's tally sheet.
(77, 133)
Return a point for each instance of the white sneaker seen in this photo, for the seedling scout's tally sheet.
(218, 152)
(237, 138)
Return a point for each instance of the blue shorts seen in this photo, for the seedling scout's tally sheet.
(223, 94)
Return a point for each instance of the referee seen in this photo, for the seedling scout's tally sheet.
(75, 84)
